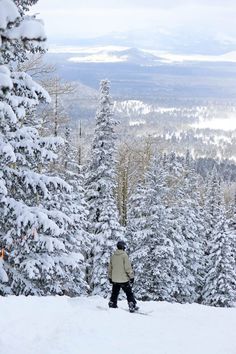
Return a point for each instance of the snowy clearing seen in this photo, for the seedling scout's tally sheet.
(61, 325)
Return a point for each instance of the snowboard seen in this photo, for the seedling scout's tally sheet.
(139, 312)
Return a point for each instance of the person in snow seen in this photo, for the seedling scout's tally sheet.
(121, 275)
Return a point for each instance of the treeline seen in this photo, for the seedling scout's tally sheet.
(182, 236)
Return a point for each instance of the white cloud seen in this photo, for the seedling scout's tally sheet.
(133, 3)
(91, 18)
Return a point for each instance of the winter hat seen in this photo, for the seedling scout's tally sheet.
(121, 245)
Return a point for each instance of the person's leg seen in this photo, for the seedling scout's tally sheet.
(129, 293)
(114, 295)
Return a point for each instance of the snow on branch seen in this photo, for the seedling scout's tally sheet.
(29, 217)
(8, 14)
(44, 183)
(5, 79)
(23, 83)
(3, 274)
(29, 29)
(28, 145)
(3, 189)
(7, 113)
(7, 152)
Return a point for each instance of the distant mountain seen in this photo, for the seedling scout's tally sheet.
(115, 55)
(136, 56)
(176, 42)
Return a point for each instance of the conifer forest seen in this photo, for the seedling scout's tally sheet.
(70, 190)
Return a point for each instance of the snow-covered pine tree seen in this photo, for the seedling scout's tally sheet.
(73, 204)
(182, 282)
(219, 288)
(17, 94)
(33, 234)
(190, 215)
(155, 252)
(213, 208)
(136, 218)
(232, 229)
(101, 181)
(220, 281)
(20, 33)
(165, 232)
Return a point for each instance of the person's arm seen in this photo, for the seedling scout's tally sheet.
(128, 267)
(110, 271)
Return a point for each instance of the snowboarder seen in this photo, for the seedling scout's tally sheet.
(121, 275)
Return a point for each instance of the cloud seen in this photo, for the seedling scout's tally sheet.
(113, 4)
(93, 18)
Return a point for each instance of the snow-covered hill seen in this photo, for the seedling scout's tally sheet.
(115, 55)
(60, 325)
(145, 57)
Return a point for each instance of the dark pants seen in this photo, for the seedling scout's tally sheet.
(126, 288)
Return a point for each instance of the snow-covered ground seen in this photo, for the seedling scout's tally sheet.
(60, 325)
(226, 124)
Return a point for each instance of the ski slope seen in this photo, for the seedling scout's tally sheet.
(60, 325)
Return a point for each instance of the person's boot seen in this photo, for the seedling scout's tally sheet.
(131, 307)
(111, 304)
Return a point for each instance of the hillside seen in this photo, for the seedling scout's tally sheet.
(61, 325)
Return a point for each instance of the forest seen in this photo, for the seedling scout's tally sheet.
(69, 192)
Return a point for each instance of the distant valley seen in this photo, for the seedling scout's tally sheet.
(186, 100)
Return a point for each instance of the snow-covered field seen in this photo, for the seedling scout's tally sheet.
(60, 325)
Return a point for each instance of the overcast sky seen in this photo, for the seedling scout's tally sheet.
(90, 18)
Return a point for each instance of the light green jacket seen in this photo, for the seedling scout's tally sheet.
(120, 269)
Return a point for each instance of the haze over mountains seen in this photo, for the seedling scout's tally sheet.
(145, 57)
(177, 41)
(175, 90)
(156, 75)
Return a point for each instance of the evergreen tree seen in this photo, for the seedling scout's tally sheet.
(75, 206)
(100, 181)
(20, 33)
(178, 235)
(220, 279)
(33, 227)
(165, 228)
(190, 214)
(136, 218)
(154, 251)
(232, 230)
(18, 93)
